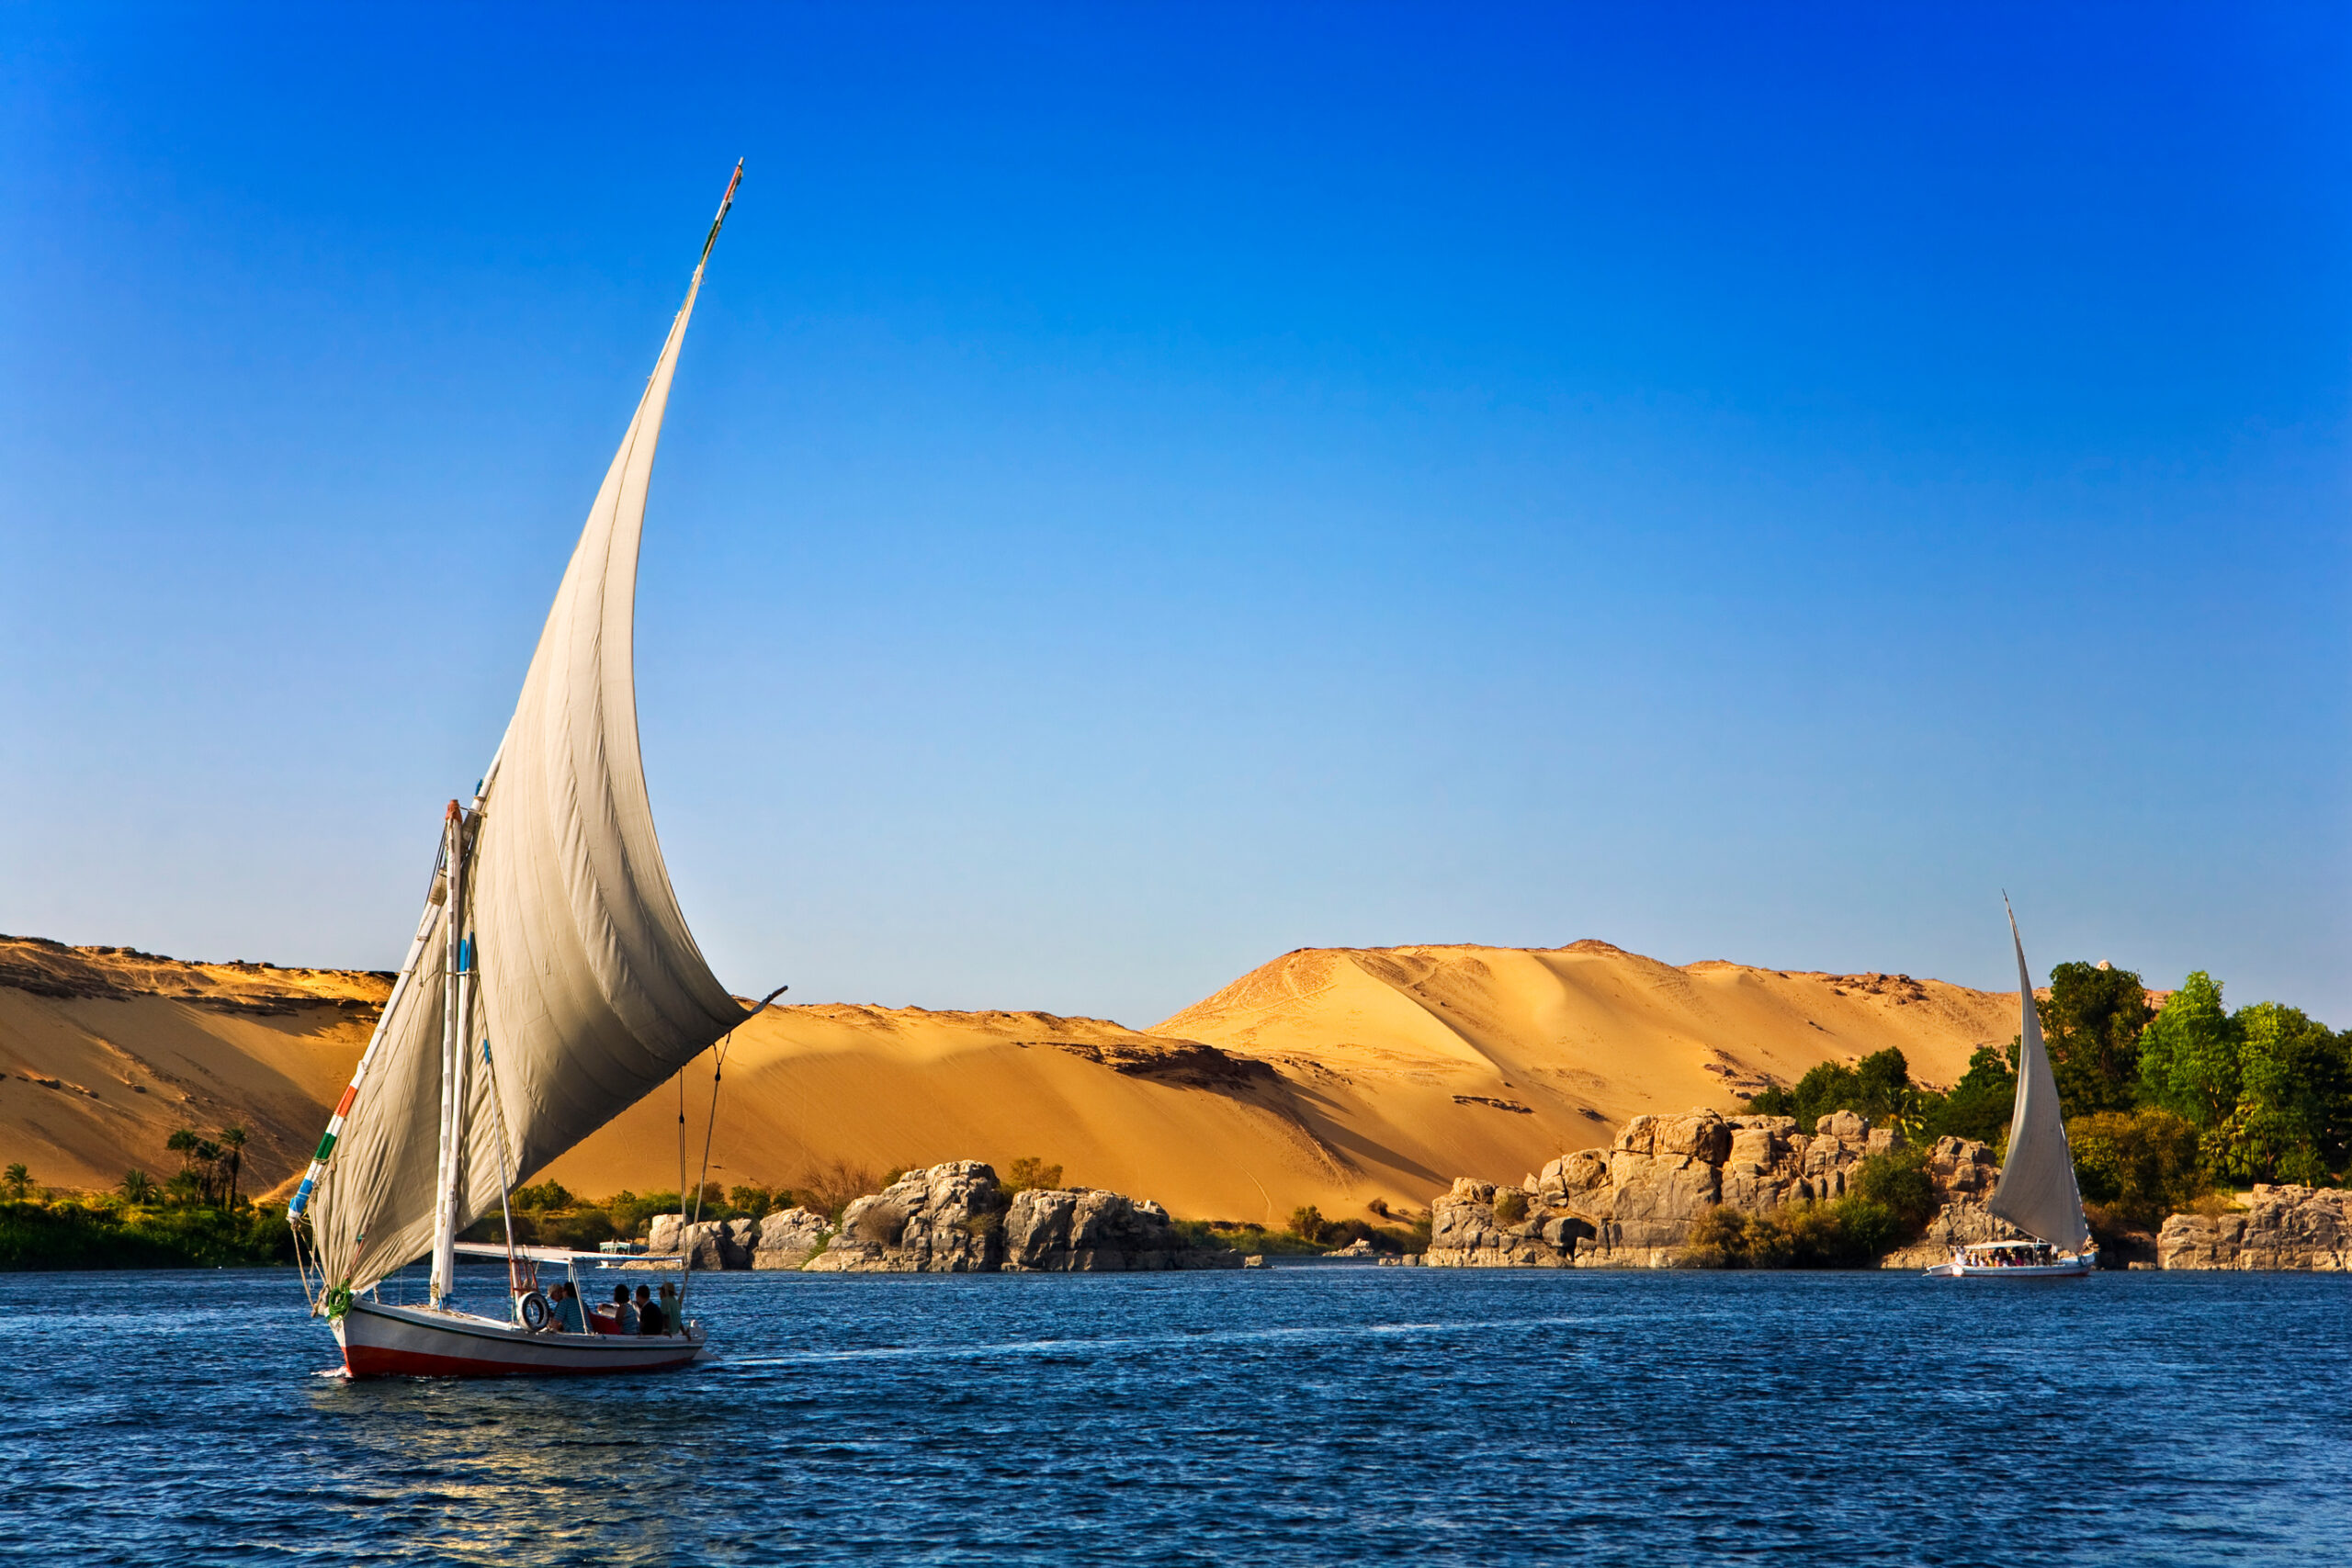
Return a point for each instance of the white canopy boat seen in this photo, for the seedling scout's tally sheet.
(2037, 1192)
(550, 985)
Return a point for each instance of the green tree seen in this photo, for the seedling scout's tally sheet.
(1306, 1224)
(2294, 1118)
(183, 1143)
(19, 1179)
(137, 1186)
(1979, 1104)
(207, 1158)
(2092, 1022)
(1878, 1087)
(547, 1197)
(2189, 1053)
(1899, 1183)
(2140, 1165)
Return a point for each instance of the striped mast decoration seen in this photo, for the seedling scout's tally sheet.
(433, 907)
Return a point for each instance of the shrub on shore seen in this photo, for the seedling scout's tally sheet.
(102, 1232)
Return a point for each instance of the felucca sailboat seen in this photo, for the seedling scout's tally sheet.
(2037, 1192)
(551, 983)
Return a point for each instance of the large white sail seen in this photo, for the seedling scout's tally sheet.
(2036, 1192)
(590, 990)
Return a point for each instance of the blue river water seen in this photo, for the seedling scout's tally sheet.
(1279, 1416)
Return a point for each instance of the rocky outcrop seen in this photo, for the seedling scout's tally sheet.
(1633, 1204)
(951, 1219)
(1062, 1230)
(948, 1219)
(706, 1244)
(787, 1238)
(2286, 1227)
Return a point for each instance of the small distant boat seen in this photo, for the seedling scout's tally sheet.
(2036, 1192)
(551, 983)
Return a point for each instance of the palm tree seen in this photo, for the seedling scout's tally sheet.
(137, 1186)
(208, 1155)
(232, 1138)
(183, 1143)
(19, 1179)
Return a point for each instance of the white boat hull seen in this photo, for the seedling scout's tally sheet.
(380, 1340)
(2065, 1269)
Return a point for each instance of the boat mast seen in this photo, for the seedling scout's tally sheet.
(456, 1025)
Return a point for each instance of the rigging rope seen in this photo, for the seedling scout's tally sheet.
(718, 1066)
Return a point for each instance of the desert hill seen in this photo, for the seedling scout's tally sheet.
(1333, 1076)
(105, 1052)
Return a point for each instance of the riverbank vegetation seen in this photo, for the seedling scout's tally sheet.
(1890, 1201)
(2163, 1106)
(108, 1231)
(1308, 1233)
(198, 1217)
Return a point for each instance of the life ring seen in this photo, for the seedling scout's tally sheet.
(534, 1311)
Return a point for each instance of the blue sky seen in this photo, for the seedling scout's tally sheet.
(1151, 489)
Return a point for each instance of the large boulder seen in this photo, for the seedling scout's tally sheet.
(1071, 1229)
(2303, 1228)
(1481, 1225)
(705, 1243)
(947, 1219)
(787, 1238)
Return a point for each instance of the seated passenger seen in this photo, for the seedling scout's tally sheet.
(675, 1323)
(650, 1319)
(624, 1315)
(568, 1318)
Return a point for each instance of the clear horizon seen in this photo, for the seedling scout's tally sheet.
(1149, 491)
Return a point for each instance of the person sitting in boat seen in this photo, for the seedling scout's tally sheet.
(567, 1316)
(650, 1318)
(623, 1315)
(675, 1323)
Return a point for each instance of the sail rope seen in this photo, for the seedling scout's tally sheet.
(718, 1068)
(514, 1280)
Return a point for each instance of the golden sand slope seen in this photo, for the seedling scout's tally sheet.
(107, 1051)
(1327, 1076)
(1423, 1063)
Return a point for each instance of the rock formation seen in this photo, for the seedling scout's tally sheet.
(1061, 1230)
(787, 1238)
(951, 1219)
(708, 1243)
(1633, 1206)
(2287, 1227)
(948, 1219)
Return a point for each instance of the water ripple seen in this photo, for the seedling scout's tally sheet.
(1288, 1415)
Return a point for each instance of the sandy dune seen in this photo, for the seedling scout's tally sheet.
(1330, 1077)
(106, 1051)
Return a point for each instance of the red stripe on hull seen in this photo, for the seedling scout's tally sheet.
(379, 1340)
(375, 1361)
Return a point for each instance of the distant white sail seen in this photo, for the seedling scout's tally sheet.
(2036, 1192)
(591, 989)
